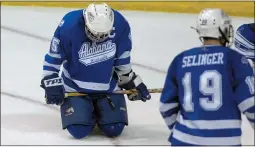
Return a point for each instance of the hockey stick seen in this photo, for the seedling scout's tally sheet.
(156, 90)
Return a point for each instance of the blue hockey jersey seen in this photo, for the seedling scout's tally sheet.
(245, 40)
(88, 66)
(206, 90)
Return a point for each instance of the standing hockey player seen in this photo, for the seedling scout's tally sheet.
(244, 42)
(208, 87)
(94, 46)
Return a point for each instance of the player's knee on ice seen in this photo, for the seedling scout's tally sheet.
(112, 130)
(77, 110)
(109, 115)
(80, 131)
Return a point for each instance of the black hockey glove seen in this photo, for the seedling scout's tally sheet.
(54, 89)
(132, 81)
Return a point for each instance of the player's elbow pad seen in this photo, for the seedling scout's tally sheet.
(129, 80)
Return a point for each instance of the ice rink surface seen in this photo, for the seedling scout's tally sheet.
(25, 35)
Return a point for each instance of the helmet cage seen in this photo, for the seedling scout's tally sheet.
(96, 36)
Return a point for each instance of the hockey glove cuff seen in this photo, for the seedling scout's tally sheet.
(133, 81)
(54, 89)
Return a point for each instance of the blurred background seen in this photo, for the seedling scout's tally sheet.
(241, 8)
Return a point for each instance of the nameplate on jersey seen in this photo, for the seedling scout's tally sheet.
(203, 59)
(96, 53)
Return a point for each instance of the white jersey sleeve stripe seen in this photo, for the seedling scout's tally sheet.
(170, 120)
(240, 36)
(246, 49)
(246, 104)
(196, 140)
(167, 106)
(209, 124)
(54, 55)
(241, 43)
(126, 54)
(245, 53)
(249, 115)
(123, 69)
(52, 65)
(47, 72)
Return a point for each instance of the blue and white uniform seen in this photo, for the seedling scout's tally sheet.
(245, 40)
(89, 66)
(206, 90)
(93, 48)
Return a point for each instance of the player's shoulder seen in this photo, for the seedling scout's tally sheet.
(189, 51)
(246, 31)
(119, 20)
(70, 19)
(119, 16)
(243, 27)
(179, 57)
(234, 54)
(208, 49)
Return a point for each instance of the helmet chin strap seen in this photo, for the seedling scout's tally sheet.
(223, 38)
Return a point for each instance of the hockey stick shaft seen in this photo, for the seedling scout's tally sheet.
(156, 90)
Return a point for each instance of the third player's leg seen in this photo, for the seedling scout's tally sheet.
(112, 121)
(77, 116)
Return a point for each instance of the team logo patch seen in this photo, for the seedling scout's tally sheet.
(69, 111)
(96, 53)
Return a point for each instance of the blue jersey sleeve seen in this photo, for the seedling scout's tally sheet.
(244, 41)
(55, 56)
(169, 103)
(243, 86)
(124, 45)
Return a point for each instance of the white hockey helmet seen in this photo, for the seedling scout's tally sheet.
(99, 19)
(215, 23)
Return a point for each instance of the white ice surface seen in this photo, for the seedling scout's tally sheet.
(26, 123)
